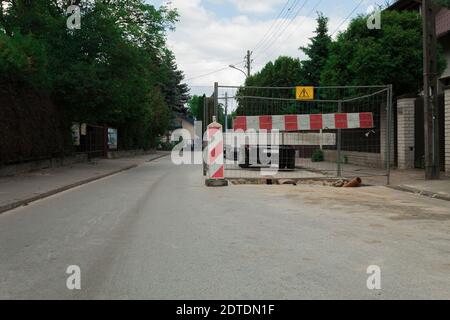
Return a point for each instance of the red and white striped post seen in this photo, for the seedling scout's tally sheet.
(215, 161)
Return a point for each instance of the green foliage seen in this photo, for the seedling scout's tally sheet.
(317, 52)
(195, 106)
(24, 60)
(317, 156)
(284, 71)
(288, 72)
(116, 69)
(392, 55)
(444, 3)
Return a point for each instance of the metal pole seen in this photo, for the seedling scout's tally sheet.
(389, 133)
(431, 126)
(216, 99)
(205, 117)
(226, 112)
(339, 144)
(249, 63)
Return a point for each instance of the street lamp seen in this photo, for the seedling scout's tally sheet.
(234, 67)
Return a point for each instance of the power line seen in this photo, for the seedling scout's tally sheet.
(301, 23)
(212, 72)
(286, 20)
(279, 23)
(276, 21)
(276, 38)
(348, 17)
(283, 13)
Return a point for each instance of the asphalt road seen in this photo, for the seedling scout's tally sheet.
(155, 232)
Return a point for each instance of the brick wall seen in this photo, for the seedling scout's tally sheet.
(365, 159)
(405, 133)
(447, 132)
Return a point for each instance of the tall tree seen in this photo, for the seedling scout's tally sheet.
(195, 105)
(392, 55)
(284, 71)
(116, 69)
(317, 52)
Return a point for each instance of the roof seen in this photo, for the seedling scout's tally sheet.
(405, 5)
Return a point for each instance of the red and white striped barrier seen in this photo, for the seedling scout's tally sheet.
(363, 120)
(215, 160)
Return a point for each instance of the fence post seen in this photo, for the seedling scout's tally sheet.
(205, 105)
(447, 130)
(216, 100)
(388, 134)
(105, 141)
(339, 144)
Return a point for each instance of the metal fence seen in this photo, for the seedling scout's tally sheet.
(322, 150)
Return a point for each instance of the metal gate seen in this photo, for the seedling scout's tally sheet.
(347, 134)
(94, 142)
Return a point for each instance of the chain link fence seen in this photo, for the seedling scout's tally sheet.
(336, 132)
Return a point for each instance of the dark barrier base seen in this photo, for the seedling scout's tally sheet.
(216, 183)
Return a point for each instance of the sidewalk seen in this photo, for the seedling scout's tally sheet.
(22, 189)
(413, 181)
(405, 180)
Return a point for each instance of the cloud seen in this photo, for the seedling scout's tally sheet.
(205, 41)
(256, 6)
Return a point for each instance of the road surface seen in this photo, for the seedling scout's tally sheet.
(155, 232)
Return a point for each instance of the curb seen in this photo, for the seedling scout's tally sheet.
(419, 192)
(157, 158)
(25, 202)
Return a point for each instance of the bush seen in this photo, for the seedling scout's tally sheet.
(317, 156)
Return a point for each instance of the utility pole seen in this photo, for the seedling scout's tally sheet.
(432, 166)
(248, 63)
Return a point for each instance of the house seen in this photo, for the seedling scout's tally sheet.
(181, 121)
(410, 147)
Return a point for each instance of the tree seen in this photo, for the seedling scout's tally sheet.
(116, 69)
(317, 52)
(195, 105)
(176, 92)
(392, 55)
(444, 3)
(284, 71)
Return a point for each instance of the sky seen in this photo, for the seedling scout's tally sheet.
(212, 34)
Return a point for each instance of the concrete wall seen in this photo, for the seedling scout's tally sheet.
(25, 167)
(447, 132)
(126, 154)
(405, 133)
(365, 159)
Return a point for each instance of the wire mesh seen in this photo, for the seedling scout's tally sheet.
(325, 153)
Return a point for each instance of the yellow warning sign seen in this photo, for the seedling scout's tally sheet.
(304, 93)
